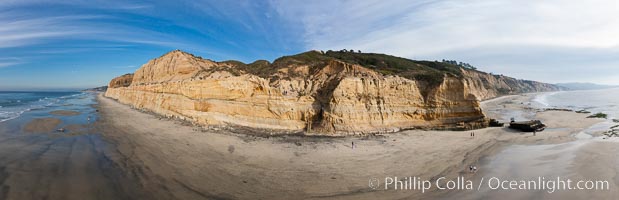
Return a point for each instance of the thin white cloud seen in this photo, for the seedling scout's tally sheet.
(6, 64)
(38, 29)
(35, 29)
(451, 28)
(107, 4)
(10, 61)
(19, 30)
(430, 27)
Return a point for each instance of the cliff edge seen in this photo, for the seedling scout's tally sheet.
(325, 93)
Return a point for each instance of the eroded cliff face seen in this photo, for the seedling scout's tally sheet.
(332, 97)
(121, 81)
(486, 86)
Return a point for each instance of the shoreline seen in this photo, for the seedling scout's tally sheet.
(48, 164)
(428, 154)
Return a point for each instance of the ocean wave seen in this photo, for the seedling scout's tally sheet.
(12, 112)
(16, 112)
(542, 99)
(70, 96)
(6, 116)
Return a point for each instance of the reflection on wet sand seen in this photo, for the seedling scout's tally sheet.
(42, 125)
(60, 165)
(64, 112)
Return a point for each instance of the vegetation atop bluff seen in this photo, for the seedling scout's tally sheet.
(431, 72)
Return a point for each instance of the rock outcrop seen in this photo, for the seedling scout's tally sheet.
(331, 93)
(121, 81)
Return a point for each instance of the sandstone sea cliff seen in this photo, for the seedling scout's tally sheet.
(324, 93)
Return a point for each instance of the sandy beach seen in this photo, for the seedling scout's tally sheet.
(42, 125)
(173, 160)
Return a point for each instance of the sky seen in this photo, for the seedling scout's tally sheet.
(74, 44)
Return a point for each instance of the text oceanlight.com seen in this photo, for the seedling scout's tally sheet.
(549, 185)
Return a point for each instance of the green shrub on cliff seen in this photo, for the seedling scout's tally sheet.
(504, 91)
(430, 72)
(394, 64)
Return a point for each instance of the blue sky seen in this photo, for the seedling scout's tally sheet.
(85, 43)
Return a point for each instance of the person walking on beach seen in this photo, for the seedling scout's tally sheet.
(534, 131)
(352, 144)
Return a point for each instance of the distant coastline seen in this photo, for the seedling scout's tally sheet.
(585, 86)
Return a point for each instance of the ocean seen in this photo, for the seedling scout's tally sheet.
(605, 101)
(14, 104)
(595, 101)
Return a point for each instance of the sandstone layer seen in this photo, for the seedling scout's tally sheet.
(316, 92)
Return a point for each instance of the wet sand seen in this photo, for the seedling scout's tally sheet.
(61, 166)
(42, 125)
(64, 113)
(76, 127)
(193, 164)
(582, 160)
